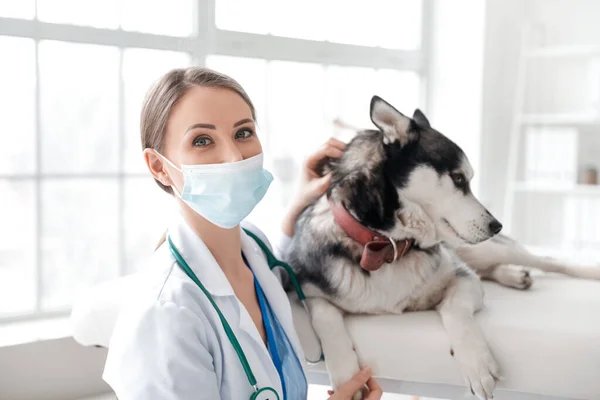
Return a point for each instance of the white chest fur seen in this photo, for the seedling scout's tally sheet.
(415, 282)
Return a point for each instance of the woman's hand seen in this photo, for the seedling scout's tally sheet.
(348, 389)
(312, 185)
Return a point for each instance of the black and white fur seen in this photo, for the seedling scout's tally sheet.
(405, 180)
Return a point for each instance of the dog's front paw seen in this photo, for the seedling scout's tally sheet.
(480, 369)
(342, 369)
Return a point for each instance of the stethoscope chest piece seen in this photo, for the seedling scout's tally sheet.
(265, 393)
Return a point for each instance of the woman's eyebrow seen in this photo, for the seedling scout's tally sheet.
(242, 121)
(207, 126)
(210, 126)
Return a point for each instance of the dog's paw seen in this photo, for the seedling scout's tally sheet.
(342, 369)
(522, 279)
(513, 276)
(479, 368)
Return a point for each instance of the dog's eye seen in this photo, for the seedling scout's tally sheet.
(458, 179)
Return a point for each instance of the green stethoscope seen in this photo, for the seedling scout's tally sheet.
(265, 393)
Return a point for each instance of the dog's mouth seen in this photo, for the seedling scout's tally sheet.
(444, 220)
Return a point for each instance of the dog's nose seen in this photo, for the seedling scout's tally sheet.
(495, 226)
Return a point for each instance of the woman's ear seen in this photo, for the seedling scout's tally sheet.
(156, 166)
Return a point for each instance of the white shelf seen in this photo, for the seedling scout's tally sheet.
(570, 190)
(572, 51)
(561, 119)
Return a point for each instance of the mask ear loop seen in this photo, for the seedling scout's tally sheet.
(174, 166)
(176, 191)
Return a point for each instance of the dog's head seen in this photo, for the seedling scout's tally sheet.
(409, 180)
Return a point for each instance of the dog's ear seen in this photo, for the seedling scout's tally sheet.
(421, 120)
(394, 125)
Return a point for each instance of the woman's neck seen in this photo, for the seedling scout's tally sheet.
(224, 244)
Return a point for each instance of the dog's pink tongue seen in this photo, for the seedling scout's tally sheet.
(375, 254)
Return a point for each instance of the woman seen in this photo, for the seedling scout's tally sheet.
(200, 145)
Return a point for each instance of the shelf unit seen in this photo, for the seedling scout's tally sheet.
(524, 120)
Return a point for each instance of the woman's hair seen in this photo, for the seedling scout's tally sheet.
(162, 97)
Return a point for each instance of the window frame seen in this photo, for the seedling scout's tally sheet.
(206, 40)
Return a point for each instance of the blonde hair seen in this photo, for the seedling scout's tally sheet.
(166, 92)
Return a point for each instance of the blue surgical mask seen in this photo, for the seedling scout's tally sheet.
(226, 193)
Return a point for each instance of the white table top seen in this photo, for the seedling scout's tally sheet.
(546, 340)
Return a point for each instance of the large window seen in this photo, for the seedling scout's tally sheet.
(77, 206)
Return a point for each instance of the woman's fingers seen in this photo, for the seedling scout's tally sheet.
(325, 151)
(347, 390)
(375, 391)
(336, 143)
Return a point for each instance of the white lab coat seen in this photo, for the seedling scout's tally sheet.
(169, 343)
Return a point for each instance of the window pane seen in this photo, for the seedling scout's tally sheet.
(160, 17)
(17, 127)
(348, 95)
(400, 88)
(387, 23)
(79, 107)
(243, 15)
(17, 251)
(399, 25)
(290, 19)
(353, 25)
(149, 211)
(350, 89)
(296, 119)
(17, 9)
(141, 68)
(295, 123)
(251, 73)
(79, 245)
(392, 24)
(96, 13)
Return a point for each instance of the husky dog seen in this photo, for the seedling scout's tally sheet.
(386, 239)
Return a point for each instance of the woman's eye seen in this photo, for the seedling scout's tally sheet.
(244, 134)
(202, 141)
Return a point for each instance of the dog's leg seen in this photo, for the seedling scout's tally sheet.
(340, 358)
(548, 264)
(508, 275)
(502, 250)
(463, 298)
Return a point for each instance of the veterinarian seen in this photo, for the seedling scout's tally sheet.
(213, 321)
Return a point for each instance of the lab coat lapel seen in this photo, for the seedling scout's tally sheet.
(271, 287)
(248, 326)
(200, 259)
